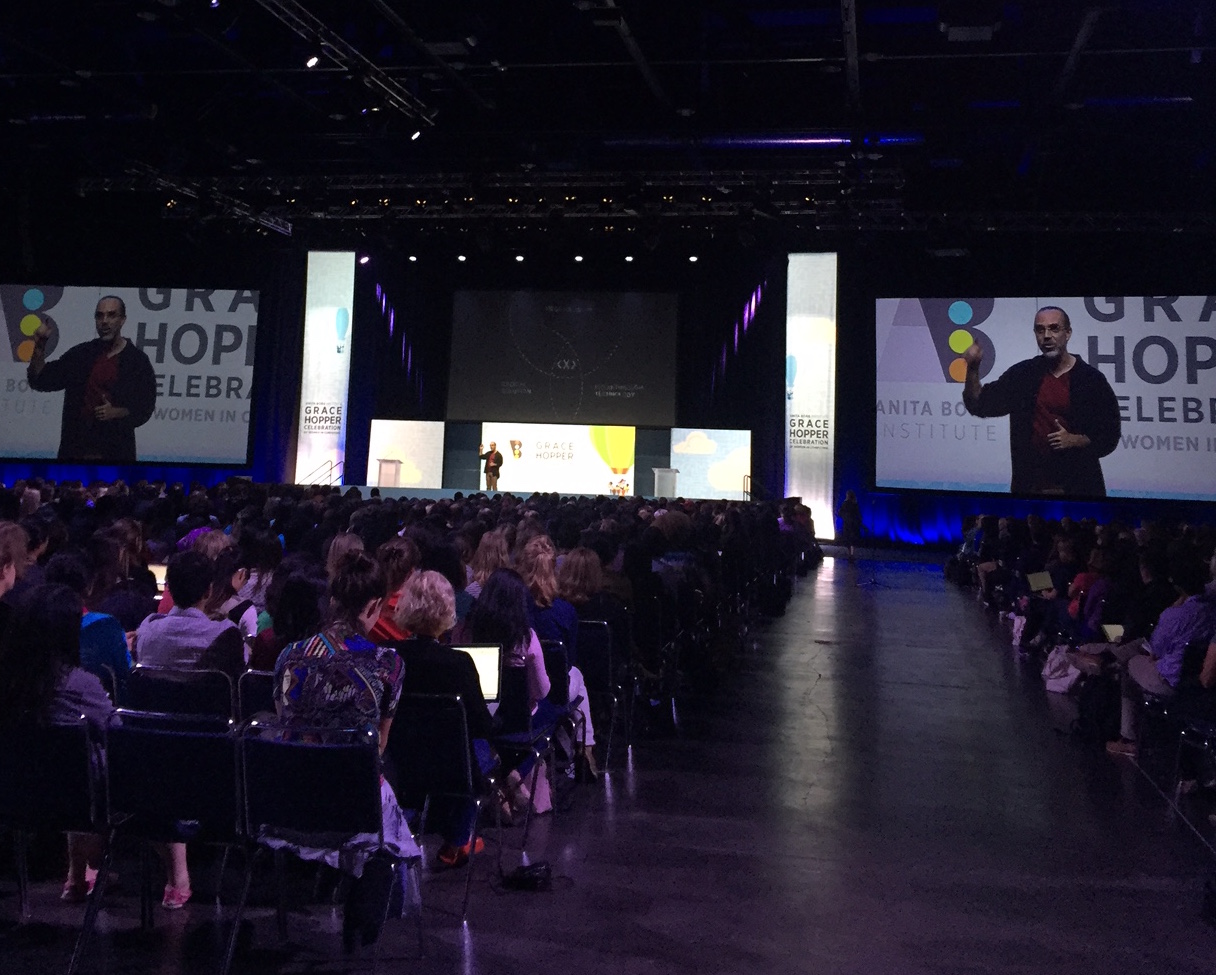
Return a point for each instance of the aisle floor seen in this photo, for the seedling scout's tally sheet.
(876, 788)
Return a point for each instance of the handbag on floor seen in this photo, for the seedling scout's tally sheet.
(1059, 673)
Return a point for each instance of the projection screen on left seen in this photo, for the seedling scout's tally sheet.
(175, 390)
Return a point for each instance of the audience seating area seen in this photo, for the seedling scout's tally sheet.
(1082, 603)
(193, 756)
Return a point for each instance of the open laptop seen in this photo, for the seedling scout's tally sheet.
(158, 571)
(1038, 581)
(488, 659)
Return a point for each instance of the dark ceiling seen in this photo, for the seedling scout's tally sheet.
(638, 114)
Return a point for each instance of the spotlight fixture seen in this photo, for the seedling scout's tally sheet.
(413, 259)
(416, 136)
(214, 4)
(461, 258)
(628, 258)
(692, 258)
(312, 62)
(519, 258)
(578, 258)
(364, 259)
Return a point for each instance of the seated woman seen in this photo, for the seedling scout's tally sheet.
(553, 618)
(297, 599)
(398, 557)
(340, 679)
(500, 615)
(229, 575)
(427, 608)
(44, 682)
(492, 553)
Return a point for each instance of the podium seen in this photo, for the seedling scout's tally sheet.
(665, 481)
(390, 473)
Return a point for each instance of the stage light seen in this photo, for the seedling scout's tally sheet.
(413, 259)
(629, 259)
(214, 4)
(519, 258)
(578, 258)
(692, 258)
(461, 258)
(312, 62)
(416, 136)
(364, 259)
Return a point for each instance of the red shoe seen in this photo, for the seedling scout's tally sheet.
(76, 893)
(175, 897)
(451, 855)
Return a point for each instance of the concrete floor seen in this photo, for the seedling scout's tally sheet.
(876, 788)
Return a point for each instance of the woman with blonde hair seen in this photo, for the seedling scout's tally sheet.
(553, 618)
(427, 608)
(492, 553)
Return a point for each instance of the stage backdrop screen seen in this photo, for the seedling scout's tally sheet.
(405, 453)
(564, 458)
(191, 365)
(559, 357)
(1157, 353)
(712, 463)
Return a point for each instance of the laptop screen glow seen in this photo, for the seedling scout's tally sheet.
(488, 659)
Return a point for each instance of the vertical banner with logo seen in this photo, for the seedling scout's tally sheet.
(329, 296)
(810, 385)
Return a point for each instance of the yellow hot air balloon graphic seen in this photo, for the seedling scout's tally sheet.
(615, 447)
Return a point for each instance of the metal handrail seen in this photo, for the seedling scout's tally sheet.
(332, 468)
(747, 487)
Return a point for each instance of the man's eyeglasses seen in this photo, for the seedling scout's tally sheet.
(1049, 329)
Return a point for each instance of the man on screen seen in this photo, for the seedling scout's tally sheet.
(1063, 415)
(493, 461)
(109, 388)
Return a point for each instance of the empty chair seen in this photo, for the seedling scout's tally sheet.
(167, 690)
(317, 793)
(602, 675)
(255, 694)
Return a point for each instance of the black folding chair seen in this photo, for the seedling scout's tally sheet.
(166, 690)
(314, 785)
(602, 675)
(517, 738)
(255, 694)
(432, 754)
(172, 779)
(49, 780)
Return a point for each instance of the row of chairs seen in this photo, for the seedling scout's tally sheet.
(190, 778)
(194, 691)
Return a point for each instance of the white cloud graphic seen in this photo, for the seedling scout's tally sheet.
(728, 473)
(697, 442)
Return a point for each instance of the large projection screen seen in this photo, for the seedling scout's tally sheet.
(199, 345)
(405, 453)
(564, 458)
(557, 357)
(712, 463)
(1157, 353)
